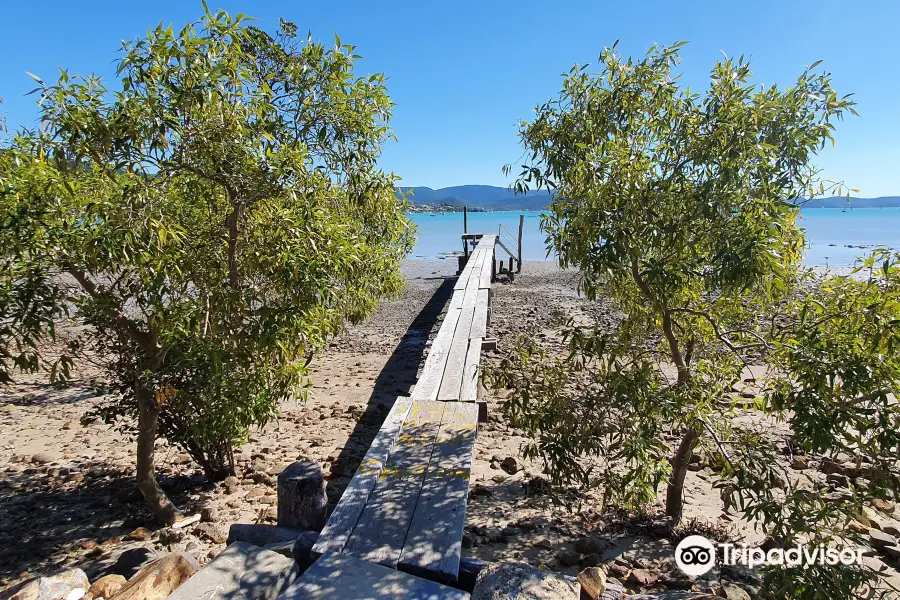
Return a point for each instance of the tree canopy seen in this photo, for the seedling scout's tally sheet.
(214, 221)
(682, 207)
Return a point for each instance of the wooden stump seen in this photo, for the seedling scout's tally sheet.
(301, 497)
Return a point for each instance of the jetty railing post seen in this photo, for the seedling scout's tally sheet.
(519, 258)
(465, 220)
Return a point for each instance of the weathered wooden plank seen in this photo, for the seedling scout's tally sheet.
(348, 510)
(476, 257)
(470, 295)
(434, 542)
(479, 321)
(474, 263)
(487, 240)
(379, 534)
(469, 390)
(433, 370)
(451, 382)
(486, 272)
(240, 572)
(456, 300)
(348, 578)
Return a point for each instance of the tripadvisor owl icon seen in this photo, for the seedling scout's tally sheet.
(695, 555)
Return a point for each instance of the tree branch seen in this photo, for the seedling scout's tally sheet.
(718, 441)
(723, 337)
(677, 357)
(146, 339)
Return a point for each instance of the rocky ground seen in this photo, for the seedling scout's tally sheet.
(67, 496)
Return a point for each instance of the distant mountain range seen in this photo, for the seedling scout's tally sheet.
(489, 197)
(841, 202)
(485, 197)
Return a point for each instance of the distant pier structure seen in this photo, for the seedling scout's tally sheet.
(505, 240)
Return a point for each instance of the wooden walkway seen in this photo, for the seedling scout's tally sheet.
(405, 507)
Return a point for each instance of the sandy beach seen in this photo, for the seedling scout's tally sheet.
(67, 495)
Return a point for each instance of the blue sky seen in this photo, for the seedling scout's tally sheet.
(463, 73)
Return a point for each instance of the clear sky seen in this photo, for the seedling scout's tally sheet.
(463, 73)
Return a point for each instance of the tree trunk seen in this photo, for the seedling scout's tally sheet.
(217, 459)
(148, 417)
(680, 462)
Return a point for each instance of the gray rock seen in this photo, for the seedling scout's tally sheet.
(241, 571)
(800, 463)
(568, 558)
(675, 596)
(733, 592)
(43, 458)
(591, 545)
(170, 535)
(875, 564)
(210, 532)
(742, 573)
(55, 586)
(591, 560)
(644, 577)
(131, 561)
(261, 535)
(209, 514)
(613, 591)
(519, 581)
(511, 465)
(881, 540)
(829, 466)
(838, 479)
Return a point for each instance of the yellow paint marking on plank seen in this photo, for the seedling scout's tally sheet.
(419, 471)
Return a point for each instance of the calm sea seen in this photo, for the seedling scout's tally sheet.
(829, 232)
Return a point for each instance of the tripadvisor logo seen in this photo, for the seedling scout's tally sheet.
(695, 556)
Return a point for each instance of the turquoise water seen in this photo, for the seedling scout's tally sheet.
(829, 231)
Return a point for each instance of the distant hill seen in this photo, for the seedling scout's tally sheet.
(841, 202)
(489, 197)
(486, 197)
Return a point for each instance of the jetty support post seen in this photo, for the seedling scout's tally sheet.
(465, 241)
(519, 258)
(302, 501)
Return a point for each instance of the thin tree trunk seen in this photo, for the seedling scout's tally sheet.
(680, 462)
(148, 418)
(233, 234)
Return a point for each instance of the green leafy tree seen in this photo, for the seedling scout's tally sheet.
(683, 208)
(835, 377)
(213, 222)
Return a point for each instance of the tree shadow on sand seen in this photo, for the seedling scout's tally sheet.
(56, 516)
(395, 379)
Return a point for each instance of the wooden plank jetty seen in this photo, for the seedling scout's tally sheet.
(346, 578)
(397, 530)
(405, 507)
